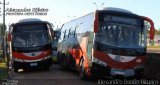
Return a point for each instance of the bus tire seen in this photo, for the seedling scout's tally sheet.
(139, 75)
(82, 74)
(63, 63)
(58, 57)
(16, 70)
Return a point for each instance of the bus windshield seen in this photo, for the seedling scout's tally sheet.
(30, 37)
(121, 33)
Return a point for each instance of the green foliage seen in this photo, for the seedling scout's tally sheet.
(1, 24)
(158, 32)
(153, 46)
(1, 27)
(3, 74)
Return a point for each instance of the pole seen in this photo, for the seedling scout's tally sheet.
(95, 5)
(4, 41)
(4, 14)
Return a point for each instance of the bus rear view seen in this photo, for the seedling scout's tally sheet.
(30, 45)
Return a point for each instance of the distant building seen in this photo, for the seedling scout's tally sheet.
(156, 41)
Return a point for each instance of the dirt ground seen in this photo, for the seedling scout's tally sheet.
(152, 67)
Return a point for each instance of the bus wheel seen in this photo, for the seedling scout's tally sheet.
(63, 63)
(82, 74)
(139, 76)
(16, 70)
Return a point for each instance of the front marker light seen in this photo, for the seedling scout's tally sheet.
(99, 61)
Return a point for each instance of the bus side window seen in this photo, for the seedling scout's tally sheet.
(75, 32)
(69, 33)
(64, 34)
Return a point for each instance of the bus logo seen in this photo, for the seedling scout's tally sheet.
(118, 58)
(33, 54)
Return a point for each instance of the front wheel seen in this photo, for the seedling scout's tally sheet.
(63, 63)
(82, 73)
(139, 75)
(16, 70)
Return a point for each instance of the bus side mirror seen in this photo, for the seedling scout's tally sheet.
(152, 29)
(96, 22)
(96, 26)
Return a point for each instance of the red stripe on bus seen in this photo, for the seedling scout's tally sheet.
(24, 57)
(115, 64)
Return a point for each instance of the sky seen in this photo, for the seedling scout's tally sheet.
(61, 11)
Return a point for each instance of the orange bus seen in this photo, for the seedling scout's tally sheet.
(29, 44)
(106, 43)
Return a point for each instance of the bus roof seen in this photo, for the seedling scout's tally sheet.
(29, 19)
(116, 9)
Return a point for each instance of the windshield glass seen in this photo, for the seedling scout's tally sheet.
(30, 38)
(120, 33)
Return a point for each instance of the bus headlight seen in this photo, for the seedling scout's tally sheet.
(47, 57)
(18, 60)
(95, 60)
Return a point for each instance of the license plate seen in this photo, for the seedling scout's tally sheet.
(119, 72)
(33, 64)
(127, 72)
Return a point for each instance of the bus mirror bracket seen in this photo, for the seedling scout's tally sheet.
(96, 22)
(152, 29)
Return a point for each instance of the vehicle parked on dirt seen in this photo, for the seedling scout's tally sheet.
(108, 42)
(29, 44)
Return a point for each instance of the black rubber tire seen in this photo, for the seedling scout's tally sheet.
(63, 63)
(16, 70)
(82, 74)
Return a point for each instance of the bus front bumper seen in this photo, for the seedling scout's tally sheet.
(98, 70)
(35, 64)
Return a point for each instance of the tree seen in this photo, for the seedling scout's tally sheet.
(1, 27)
(2, 33)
